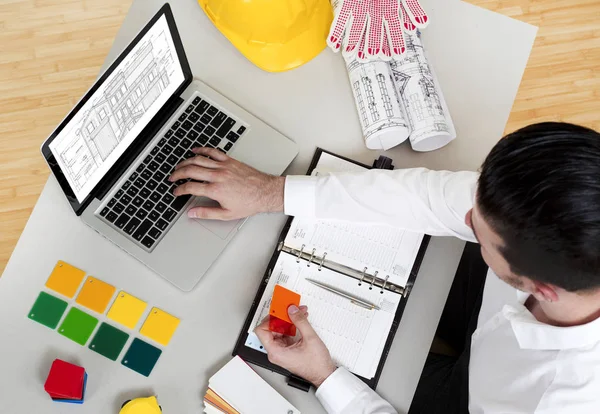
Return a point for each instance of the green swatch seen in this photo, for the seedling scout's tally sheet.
(47, 310)
(141, 357)
(78, 326)
(109, 341)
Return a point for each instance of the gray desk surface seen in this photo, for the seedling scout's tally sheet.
(313, 106)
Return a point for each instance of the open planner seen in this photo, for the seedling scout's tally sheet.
(375, 263)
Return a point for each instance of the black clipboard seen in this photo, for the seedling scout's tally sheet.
(260, 358)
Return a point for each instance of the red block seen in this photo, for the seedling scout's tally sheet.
(282, 327)
(65, 381)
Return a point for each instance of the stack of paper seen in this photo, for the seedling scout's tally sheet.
(237, 389)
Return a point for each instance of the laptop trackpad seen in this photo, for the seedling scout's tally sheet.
(220, 228)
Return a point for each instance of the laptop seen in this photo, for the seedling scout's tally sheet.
(114, 152)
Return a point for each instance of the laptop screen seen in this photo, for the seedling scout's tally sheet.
(115, 114)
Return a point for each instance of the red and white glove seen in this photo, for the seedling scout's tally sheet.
(372, 29)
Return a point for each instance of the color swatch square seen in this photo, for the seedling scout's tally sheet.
(127, 310)
(47, 310)
(109, 341)
(78, 326)
(65, 279)
(75, 401)
(95, 294)
(282, 327)
(65, 380)
(280, 302)
(159, 326)
(141, 357)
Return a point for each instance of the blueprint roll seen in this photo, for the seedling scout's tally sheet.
(380, 111)
(431, 126)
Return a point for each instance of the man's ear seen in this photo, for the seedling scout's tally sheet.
(544, 292)
(468, 218)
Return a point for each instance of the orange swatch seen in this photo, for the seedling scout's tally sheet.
(219, 402)
(65, 279)
(282, 299)
(95, 294)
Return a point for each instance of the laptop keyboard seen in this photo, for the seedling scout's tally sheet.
(144, 206)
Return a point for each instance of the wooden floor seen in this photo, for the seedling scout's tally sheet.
(51, 51)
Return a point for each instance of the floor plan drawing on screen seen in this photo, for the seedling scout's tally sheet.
(118, 110)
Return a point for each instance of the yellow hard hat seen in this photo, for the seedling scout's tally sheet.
(147, 405)
(275, 35)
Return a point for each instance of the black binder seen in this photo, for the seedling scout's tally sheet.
(261, 359)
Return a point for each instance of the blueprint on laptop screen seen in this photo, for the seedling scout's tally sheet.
(118, 111)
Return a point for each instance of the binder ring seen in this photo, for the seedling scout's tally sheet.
(311, 257)
(322, 260)
(364, 273)
(373, 280)
(384, 283)
(300, 254)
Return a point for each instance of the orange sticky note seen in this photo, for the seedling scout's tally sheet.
(65, 279)
(281, 301)
(95, 294)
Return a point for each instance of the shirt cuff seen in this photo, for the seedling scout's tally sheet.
(299, 196)
(339, 390)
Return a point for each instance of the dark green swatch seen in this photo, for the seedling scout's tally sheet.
(47, 310)
(109, 341)
(78, 326)
(141, 357)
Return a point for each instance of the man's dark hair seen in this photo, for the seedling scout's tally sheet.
(539, 189)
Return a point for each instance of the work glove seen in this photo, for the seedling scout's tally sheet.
(372, 29)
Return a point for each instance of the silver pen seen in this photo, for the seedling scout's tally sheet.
(356, 300)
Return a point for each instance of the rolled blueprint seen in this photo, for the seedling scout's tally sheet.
(379, 108)
(400, 99)
(428, 116)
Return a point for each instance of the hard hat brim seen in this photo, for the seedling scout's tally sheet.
(277, 57)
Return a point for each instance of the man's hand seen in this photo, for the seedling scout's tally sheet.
(306, 357)
(241, 190)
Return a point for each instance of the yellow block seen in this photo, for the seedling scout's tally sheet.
(127, 310)
(159, 326)
(65, 279)
(95, 294)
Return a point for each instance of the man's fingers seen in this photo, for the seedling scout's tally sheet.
(195, 173)
(213, 153)
(200, 161)
(299, 317)
(264, 335)
(210, 213)
(193, 188)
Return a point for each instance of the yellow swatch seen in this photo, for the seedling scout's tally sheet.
(95, 294)
(126, 310)
(159, 326)
(65, 279)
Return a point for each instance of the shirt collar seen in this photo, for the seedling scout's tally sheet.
(532, 334)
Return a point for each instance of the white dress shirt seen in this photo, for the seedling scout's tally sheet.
(518, 365)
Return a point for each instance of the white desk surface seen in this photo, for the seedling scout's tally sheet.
(479, 57)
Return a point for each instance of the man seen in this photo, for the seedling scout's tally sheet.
(535, 212)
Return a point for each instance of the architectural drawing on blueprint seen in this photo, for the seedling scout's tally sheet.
(430, 123)
(118, 110)
(380, 112)
(400, 99)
